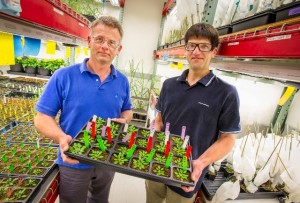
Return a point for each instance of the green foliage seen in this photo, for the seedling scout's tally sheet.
(160, 158)
(160, 136)
(8, 182)
(29, 62)
(107, 144)
(177, 140)
(160, 146)
(114, 128)
(50, 156)
(119, 159)
(96, 154)
(139, 164)
(178, 161)
(160, 171)
(123, 150)
(20, 194)
(51, 64)
(178, 150)
(77, 148)
(18, 60)
(143, 154)
(31, 182)
(180, 174)
(88, 7)
(99, 124)
(145, 133)
(142, 142)
(131, 129)
(90, 139)
(37, 171)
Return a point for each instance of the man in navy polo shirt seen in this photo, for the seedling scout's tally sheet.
(80, 91)
(205, 104)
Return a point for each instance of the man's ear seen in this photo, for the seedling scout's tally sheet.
(214, 52)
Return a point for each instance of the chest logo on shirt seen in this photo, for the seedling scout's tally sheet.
(203, 104)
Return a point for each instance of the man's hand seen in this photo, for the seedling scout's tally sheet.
(120, 120)
(197, 171)
(64, 146)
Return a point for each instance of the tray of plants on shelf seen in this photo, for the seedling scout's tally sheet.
(26, 160)
(26, 133)
(140, 152)
(17, 188)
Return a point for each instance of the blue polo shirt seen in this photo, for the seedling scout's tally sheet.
(79, 94)
(207, 109)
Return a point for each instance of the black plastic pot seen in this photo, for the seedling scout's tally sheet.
(31, 70)
(16, 68)
(43, 71)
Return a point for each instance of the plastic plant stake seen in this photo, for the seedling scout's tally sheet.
(93, 130)
(188, 151)
(37, 159)
(109, 138)
(149, 144)
(150, 155)
(167, 127)
(130, 152)
(131, 139)
(185, 142)
(4, 158)
(94, 118)
(22, 158)
(86, 139)
(37, 142)
(167, 149)
(103, 131)
(125, 127)
(183, 132)
(108, 122)
(88, 126)
(184, 163)
(11, 168)
(29, 166)
(169, 160)
(126, 138)
(167, 137)
(101, 144)
(19, 180)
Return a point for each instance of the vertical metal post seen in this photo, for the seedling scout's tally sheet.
(121, 18)
(209, 11)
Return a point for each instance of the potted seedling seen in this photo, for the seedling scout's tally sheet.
(21, 194)
(30, 65)
(160, 136)
(181, 174)
(141, 142)
(160, 158)
(159, 146)
(119, 159)
(160, 170)
(178, 150)
(140, 164)
(97, 154)
(144, 133)
(18, 65)
(77, 148)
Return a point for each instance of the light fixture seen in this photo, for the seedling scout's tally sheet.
(114, 2)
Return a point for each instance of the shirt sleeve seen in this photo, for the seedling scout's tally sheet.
(127, 102)
(50, 102)
(159, 105)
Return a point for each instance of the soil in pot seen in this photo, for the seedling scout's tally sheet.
(97, 154)
(182, 175)
(140, 165)
(119, 159)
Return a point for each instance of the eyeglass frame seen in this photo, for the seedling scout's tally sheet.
(198, 45)
(107, 41)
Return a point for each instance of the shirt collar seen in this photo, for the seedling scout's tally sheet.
(206, 80)
(84, 68)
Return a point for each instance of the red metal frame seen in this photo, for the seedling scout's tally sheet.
(54, 15)
(273, 42)
(166, 8)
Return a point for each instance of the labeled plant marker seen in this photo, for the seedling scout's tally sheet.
(22, 158)
(131, 139)
(93, 130)
(101, 145)
(94, 118)
(188, 151)
(167, 127)
(29, 166)
(167, 136)
(150, 155)
(126, 138)
(149, 145)
(184, 163)
(37, 159)
(152, 126)
(9, 192)
(183, 132)
(4, 158)
(8, 143)
(88, 126)
(13, 151)
(167, 149)
(108, 122)
(20, 180)
(43, 154)
(169, 160)
(152, 132)
(125, 127)
(109, 138)
(130, 152)
(37, 142)
(22, 144)
(10, 137)
(103, 131)
(86, 139)
(185, 142)
(11, 168)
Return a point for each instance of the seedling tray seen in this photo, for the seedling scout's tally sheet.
(119, 149)
(210, 188)
(290, 10)
(27, 187)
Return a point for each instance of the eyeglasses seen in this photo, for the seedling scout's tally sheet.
(101, 40)
(204, 47)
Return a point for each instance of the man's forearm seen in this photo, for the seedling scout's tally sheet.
(127, 115)
(47, 126)
(218, 150)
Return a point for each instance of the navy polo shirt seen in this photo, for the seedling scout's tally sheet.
(79, 94)
(208, 108)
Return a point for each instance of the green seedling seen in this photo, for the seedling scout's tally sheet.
(139, 164)
(142, 142)
(160, 158)
(160, 171)
(96, 155)
(181, 174)
(77, 148)
(119, 159)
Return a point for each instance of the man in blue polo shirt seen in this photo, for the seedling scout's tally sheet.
(205, 104)
(80, 91)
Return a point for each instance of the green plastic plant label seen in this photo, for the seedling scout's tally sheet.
(150, 155)
(130, 151)
(169, 159)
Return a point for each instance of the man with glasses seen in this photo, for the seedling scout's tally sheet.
(206, 105)
(93, 87)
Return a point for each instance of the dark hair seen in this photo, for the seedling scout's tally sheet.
(203, 30)
(108, 21)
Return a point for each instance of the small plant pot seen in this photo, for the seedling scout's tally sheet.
(98, 155)
(160, 170)
(30, 70)
(139, 164)
(43, 71)
(16, 68)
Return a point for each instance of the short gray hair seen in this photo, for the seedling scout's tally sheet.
(108, 21)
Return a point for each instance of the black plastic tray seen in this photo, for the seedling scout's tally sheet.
(126, 169)
(288, 11)
(256, 20)
(210, 188)
(225, 29)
